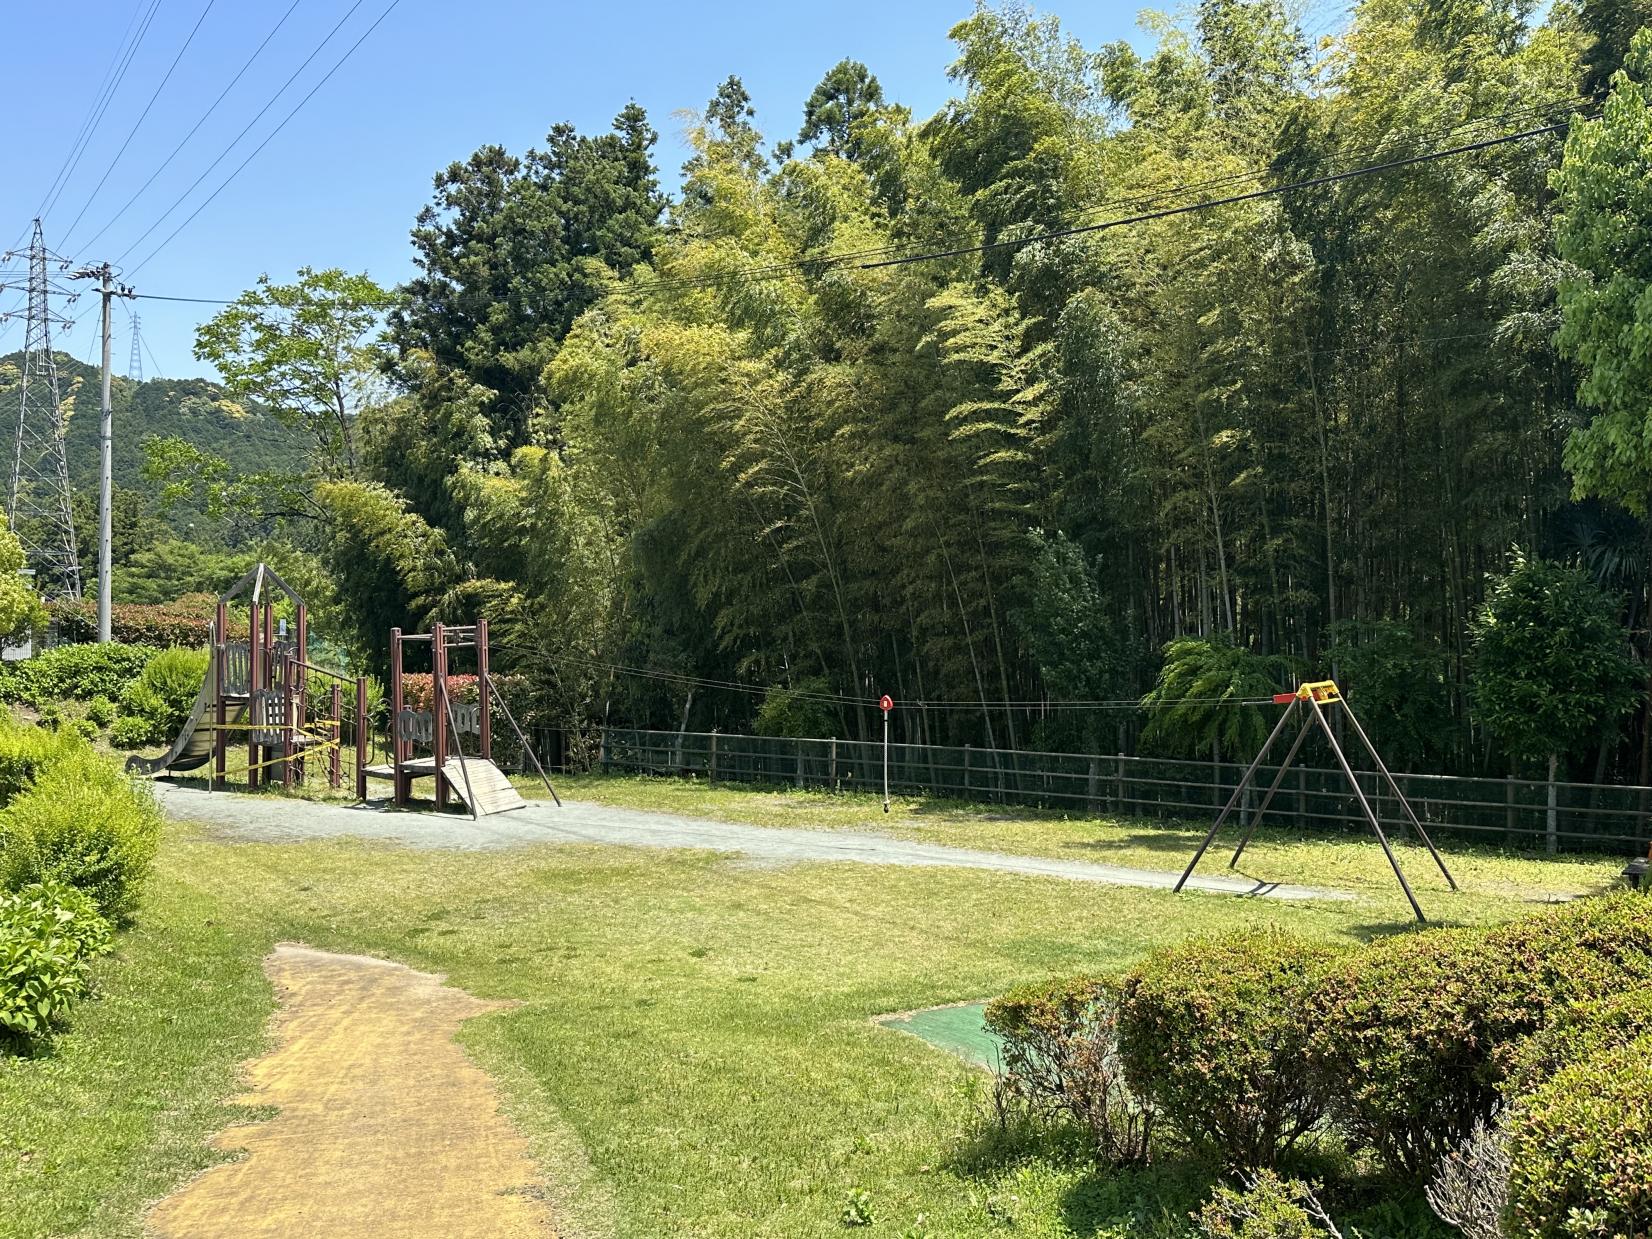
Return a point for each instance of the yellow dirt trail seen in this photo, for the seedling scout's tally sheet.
(384, 1126)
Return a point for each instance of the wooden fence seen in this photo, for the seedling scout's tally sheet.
(1516, 813)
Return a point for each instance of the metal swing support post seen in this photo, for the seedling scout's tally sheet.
(1238, 791)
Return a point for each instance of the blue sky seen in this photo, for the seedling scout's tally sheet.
(341, 183)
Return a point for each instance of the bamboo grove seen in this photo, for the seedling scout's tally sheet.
(872, 406)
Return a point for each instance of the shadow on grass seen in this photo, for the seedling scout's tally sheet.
(1160, 1199)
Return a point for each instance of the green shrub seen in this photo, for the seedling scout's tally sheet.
(1579, 1031)
(1581, 1149)
(132, 732)
(1211, 1032)
(24, 753)
(100, 711)
(49, 933)
(188, 621)
(73, 673)
(162, 696)
(1586, 949)
(1061, 1060)
(1417, 1032)
(82, 822)
(1268, 1207)
(1400, 1035)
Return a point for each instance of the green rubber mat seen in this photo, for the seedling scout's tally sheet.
(957, 1029)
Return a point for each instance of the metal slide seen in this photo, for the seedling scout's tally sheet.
(193, 747)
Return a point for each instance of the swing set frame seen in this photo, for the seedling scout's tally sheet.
(1309, 702)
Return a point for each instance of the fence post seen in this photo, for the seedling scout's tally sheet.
(363, 738)
(800, 763)
(602, 750)
(831, 772)
(1118, 783)
(1093, 784)
(711, 767)
(966, 772)
(1552, 837)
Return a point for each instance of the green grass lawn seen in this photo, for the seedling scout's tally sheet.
(693, 1053)
(1494, 882)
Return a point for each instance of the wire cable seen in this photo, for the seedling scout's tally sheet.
(888, 255)
(234, 142)
(100, 106)
(205, 116)
(138, 124)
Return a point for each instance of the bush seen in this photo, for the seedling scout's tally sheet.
(1586, 949)
(24, 753)
(1268, 1208)
(162, 696)
(1211, 1032)
(188, 621)
(1580, 1149)
(73, 673)
(1401, 1037)
(1061, 1060)
(100, 711)
(81, 822)
(1577, 1032)
(1416, 1033)
(1470, 1189)
(49, 933)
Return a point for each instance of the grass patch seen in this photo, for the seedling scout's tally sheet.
(1496, 882)
(694, 1052)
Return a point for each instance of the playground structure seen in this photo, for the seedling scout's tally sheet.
(262, 690)
(1311, 699)
(441, 730)
(259, 690)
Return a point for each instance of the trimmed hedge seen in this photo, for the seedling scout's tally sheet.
(79, 820)
(1580, 1031)
(49, 934)
(1060, 1059)
(1581, 1149)
(188, 621)
(1212, 1033)
(73, 673)
(1418, 1032)
(1400, 1029)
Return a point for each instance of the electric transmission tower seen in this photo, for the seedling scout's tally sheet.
(134, 364)
(38, 501)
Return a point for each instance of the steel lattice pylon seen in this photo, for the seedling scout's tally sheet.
(134, 365)
(39, 504)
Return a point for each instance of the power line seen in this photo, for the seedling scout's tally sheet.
(235, 141)
(1267, 192)
(138, 124)
(211, 108)
(683, 679)
(889, 255)
(339, 64)
(95, 117)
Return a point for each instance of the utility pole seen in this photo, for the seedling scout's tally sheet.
(108, 290)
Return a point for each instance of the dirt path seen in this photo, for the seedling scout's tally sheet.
(383, 1127)
(269, 819)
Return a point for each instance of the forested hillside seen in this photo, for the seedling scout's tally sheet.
(987, 409)
(197, 410)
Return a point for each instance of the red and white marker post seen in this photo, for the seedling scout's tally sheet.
(886, 703)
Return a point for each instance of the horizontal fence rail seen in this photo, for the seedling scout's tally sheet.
(1508, 812)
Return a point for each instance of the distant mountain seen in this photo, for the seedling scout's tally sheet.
(198, 410)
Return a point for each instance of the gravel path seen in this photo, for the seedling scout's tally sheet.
(268, 819)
